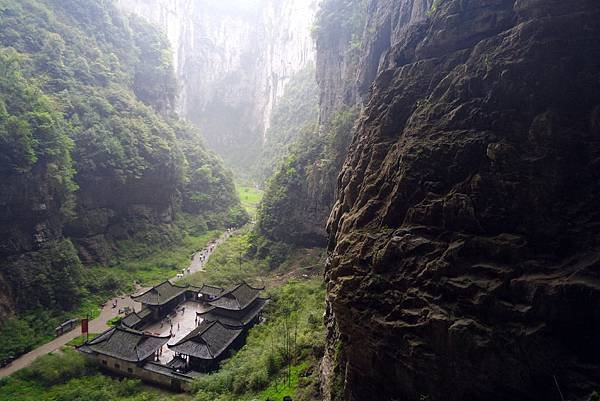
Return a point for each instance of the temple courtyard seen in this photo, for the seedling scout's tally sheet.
(179, 333)
(183, 321)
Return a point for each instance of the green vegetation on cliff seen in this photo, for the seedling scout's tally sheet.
(94, 165)
(297, 109)
(36, 172)
(341, 19)
(298, 196)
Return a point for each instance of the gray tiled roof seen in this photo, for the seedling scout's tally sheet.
(211, 290)
(237, 298)
(124, 343)
(144, 313)
(243, 317)
(160, 294)
(207, 341)
(211, 316)
(131, 319)
(135, 318)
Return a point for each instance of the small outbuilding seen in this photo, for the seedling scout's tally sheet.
(136, 320)
(124, 350)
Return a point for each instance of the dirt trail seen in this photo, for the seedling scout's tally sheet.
(98, 325)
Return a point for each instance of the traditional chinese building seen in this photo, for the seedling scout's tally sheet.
(238, 307)
(207, 345)
(137, 320)
(162, 299)
(133, 353)
(124, 350)
(128, 350)
(208, 293)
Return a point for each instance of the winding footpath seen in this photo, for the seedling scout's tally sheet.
(200, 258)
(98, 325)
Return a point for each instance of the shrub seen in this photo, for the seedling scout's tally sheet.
(258, 380)
(50, 370)
(128, 387)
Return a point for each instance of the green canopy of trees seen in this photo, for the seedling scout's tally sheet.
(87, 123)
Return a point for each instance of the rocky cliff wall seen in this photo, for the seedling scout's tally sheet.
(464, 247)
(300, 195)
(233, 59)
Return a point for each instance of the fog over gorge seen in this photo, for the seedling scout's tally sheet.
(299, 200)
(233, 60)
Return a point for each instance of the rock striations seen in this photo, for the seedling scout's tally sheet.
(465, 240)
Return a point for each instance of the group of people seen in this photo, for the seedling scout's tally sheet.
(169, 321)
(205, 253)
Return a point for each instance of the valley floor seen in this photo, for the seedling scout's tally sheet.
(97, 325)
(108, 312)
(279, 358)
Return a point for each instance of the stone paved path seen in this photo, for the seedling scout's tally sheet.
(97, 325)
(200, 258)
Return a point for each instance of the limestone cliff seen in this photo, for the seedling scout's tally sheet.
(234, 59)
(300, 195)
(464, 244)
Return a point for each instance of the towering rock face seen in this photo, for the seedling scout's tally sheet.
(465, 244)
(300, 195)
(234, 59)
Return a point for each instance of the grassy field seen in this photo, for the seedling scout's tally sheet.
(147, 270)
(230, 264)
(162, 264)
(77, 341)
(67, 376)
(250, 197)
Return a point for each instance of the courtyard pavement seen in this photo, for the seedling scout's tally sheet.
(183, 322)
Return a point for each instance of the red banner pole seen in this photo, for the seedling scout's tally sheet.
(85, 327)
